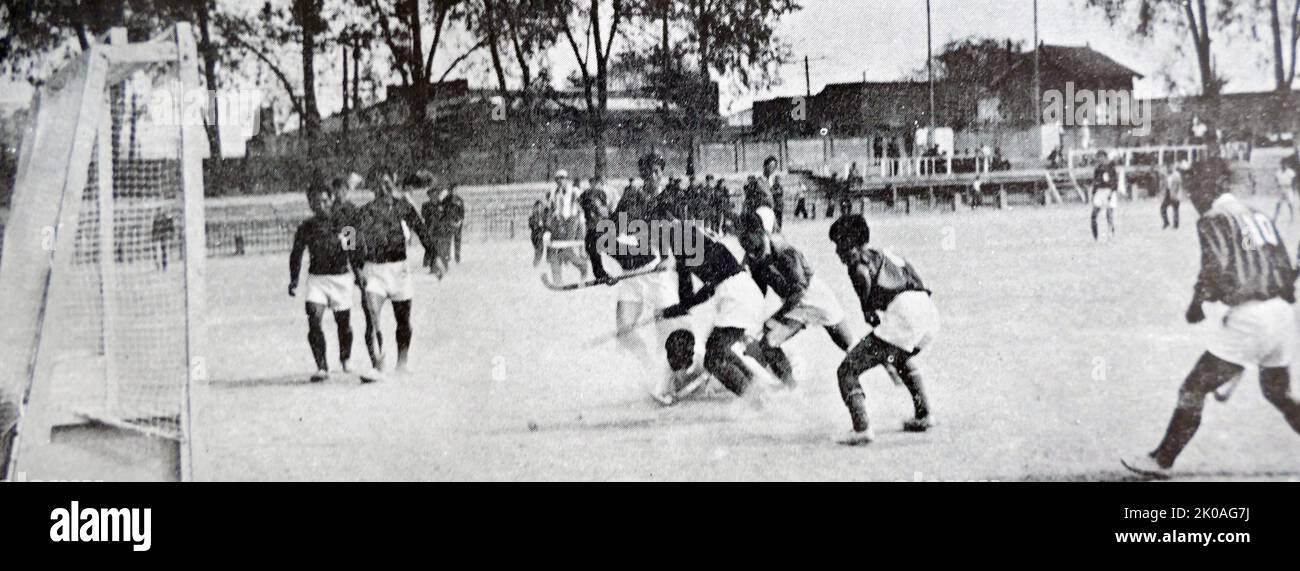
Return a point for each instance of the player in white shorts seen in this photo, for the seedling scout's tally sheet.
(1245, 266)
(1105, 189)
(330, 275)
(806, 300)
(387, 273)
(897, 304)
(643, 295)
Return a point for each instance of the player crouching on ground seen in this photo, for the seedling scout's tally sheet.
(330, 275)
(386, 272)
(806, 300)
(1245, 266)
(737, 310)
(896, 303)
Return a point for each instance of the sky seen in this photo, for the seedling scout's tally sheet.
(885, 40)
(846, 40)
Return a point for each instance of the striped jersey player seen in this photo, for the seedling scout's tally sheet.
(1244, 266)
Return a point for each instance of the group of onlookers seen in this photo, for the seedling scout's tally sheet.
(562, 218)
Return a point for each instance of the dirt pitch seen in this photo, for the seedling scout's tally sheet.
(1057, 355)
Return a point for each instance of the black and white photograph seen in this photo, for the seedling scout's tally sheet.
(670, 241)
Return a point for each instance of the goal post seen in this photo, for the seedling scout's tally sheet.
(102, 268)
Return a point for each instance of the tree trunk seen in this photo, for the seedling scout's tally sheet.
(1279, 64)
(209, 51)
(419, 97)
(307, 14)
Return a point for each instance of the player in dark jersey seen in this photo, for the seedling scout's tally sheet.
(737, 307)
(386, 272)
(1244, 266)
(898, 306)
(806, 300)
(330, 276)
(1105, 193)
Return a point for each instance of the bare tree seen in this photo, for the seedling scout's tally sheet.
(591, 37)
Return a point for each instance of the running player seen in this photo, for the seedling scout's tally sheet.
(1285, 178)
(897, 304)
(386, 273)
(330, 275)
(1105, 193)
(1245, 266)
(805, 299)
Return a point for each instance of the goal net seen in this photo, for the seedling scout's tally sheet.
(100, 275)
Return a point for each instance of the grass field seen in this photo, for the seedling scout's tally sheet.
(1056, 356)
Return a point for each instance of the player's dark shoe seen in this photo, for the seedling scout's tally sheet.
(1145, 465)
(320, 376)
(918, 424)
(857, 437)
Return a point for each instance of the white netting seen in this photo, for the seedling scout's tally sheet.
(119, 320)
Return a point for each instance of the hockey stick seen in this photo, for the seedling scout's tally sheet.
(546, 280)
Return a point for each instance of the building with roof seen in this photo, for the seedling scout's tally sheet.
(893, 111)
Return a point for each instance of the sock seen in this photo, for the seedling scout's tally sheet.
(911, 374)
(343, 323)
(857, 404)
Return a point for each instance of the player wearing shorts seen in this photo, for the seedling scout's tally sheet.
(1285, 178)
(1105, 193)
(806, 300)
(330, 275)
(1245, 266)
(643, 294)
(898, 306)
(736, 308)
(386, 272)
